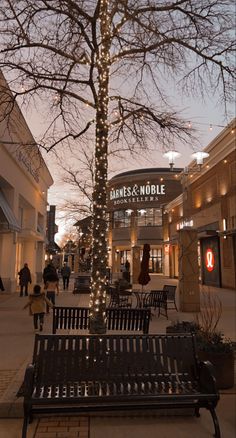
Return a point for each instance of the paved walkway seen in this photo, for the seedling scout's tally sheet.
(16, 345)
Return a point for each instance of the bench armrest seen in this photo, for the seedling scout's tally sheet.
(28, 381)
(207, 380)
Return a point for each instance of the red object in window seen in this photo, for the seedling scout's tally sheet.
(209, 260)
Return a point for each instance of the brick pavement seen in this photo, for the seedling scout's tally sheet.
(6, 377)
(62, 427)
(21, 329)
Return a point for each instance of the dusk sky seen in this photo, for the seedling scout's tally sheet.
(207, 117)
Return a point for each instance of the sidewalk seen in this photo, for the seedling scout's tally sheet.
(16, 346)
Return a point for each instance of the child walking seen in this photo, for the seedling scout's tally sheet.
(36, 304)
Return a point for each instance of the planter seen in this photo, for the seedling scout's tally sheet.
(223, 367)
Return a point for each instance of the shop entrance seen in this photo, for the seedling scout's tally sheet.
(155, 261)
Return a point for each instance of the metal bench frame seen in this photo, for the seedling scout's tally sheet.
(87, 373)
(77, 318)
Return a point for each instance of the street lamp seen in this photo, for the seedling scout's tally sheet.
(171, 155)
(80, 234)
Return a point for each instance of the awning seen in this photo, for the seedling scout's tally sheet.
(8, 220)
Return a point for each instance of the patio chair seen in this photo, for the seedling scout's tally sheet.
(170, 289)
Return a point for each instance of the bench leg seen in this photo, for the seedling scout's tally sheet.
(24, 428)
(197, 413)
(215, 421)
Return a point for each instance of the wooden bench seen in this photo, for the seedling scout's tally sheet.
(77, 318)
(77, 374)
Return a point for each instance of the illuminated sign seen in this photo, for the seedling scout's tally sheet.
(137, 193)
(209, 260)
(184, 224)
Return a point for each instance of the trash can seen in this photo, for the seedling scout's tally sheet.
(82, 284)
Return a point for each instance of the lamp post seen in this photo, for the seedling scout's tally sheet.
(80, 234)
(189, 292)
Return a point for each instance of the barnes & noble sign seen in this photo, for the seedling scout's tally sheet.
(137, 193)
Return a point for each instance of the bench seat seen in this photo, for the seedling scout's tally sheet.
(83, 373)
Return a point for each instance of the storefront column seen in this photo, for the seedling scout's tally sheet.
(189, 293)
(135, 263)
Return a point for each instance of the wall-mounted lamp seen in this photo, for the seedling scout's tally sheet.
(199, 156)
(129, 211)
(142, 212)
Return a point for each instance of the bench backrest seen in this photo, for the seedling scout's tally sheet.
(157, 295)
(116, 319)
(170, 289)
(108, 358)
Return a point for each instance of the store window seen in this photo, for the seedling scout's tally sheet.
(149, 217)
(155, 261)
(121, 218)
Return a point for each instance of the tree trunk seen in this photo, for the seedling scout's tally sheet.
(99, 243)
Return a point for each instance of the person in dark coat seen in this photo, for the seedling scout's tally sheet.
(1, 285)
(25, 279)
(48, 270)
(65, 273)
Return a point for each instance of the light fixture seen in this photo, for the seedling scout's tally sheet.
(142, 212)
(171, 155)
(199, 157)
(129, 211)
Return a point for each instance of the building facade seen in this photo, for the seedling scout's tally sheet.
(53, 251)
(24, 183)
(136, 204)
(208, 205)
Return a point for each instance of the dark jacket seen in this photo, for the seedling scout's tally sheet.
(25, 276)
(48, 270)
(65, 271)
(1, 285)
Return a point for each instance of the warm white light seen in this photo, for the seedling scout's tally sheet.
(142, 212)
(129, 211)
(171, 155)
(199, 157)
(224, 224)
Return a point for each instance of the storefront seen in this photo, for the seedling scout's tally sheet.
(211, 208)
(24, 183)
(136, 205)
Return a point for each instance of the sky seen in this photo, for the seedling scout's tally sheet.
(207, 117)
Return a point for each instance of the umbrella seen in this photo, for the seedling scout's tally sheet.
(144, 276)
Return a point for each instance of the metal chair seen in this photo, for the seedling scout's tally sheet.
(158, 300)
(170, 289)
(119, 298)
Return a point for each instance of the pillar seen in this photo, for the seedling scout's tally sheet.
(189, 293)
(135, 264)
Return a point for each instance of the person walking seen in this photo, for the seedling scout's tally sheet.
(25, 279)
(65, 272)
(52, 288)
(49, 269)
(36, 304)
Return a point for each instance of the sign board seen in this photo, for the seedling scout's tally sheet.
(210, 261)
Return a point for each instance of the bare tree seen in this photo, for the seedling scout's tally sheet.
(101, 67)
